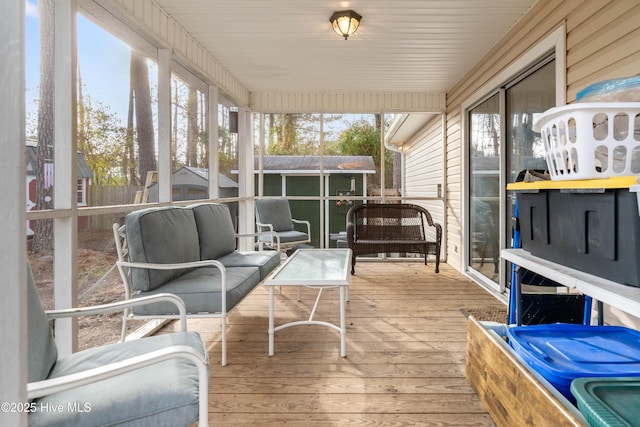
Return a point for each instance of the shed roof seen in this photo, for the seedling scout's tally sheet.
(223, 180)
(32, 164)
(203, 173)
(311, 164)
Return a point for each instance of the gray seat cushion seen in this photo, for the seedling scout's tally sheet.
(43, 352)
(266, 261)
(275, 212)
(200, 289)
(287, 236)
(165, 394)
(215, 229)
(164, 236)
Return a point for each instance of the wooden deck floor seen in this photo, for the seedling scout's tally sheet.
(405, 364)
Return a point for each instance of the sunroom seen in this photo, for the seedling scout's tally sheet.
(450, 90)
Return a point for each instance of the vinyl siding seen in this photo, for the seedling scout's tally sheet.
(424, 168)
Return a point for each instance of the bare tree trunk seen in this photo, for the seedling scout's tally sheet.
(43, 232)
(203, 132)
(495, 135)
(397, 167)
(144, 118)
(128, 160)
(174, 127)
(289, 124)
(192, 128)
(272, 130)
(83, 125)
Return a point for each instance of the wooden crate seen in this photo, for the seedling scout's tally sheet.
(512, 395)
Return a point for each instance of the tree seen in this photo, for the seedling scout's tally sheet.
(203, 131)
(43, 232)
(192, 128)
(284, 134)
(227, 151)
(397, 159)
(363, 139)
(101, 140)
(227, 143)
(175, 107)
(141, 93)
(189, 145)
(296, 134)
(129, 158)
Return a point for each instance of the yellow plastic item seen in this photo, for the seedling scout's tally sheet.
(608, 183)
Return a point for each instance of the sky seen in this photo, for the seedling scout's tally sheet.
(104, 63)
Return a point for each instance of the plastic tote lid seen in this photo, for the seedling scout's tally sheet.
(569, 351)
(616, 90)
(608, 401)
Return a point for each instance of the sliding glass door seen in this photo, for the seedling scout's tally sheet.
(525, 101)
(502, 143)
(484, 187)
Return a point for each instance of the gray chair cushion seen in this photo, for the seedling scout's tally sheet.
(275, 212)
(200, 289)
(287, 236)
(164, 236)
(266, 261)
(215, 229)
(43, 352)
(165, 394)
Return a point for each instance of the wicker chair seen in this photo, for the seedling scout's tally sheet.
(385, 228)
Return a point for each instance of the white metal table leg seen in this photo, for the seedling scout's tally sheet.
(271, 321)
(315, 306)
(343, 327)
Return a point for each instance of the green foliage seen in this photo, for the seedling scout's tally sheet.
(360, 139)
(363, 139)
(101, 140)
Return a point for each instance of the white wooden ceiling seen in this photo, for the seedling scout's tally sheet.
(401, 45)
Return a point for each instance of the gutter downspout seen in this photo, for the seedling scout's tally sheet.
(396, 150)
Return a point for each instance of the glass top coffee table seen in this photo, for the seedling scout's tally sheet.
(313, 268)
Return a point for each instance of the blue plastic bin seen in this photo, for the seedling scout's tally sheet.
(562, 352)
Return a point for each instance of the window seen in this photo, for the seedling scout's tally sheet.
(82, 195)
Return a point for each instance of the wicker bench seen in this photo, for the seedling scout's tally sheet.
(385, 228)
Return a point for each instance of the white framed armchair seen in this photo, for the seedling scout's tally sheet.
(161, 380)
(274, 216)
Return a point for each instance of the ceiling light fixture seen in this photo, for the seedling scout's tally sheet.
(345, 22)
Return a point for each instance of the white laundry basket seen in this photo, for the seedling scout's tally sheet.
(591, 140)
